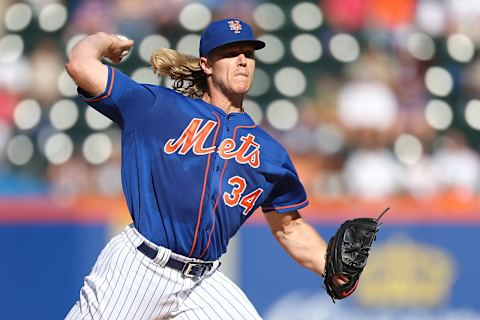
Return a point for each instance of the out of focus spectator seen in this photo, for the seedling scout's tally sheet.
(46, 67)
(376, 14)
(132, 17)
(371, 170)
(457, 165)
(71, 179)
(465, 17)
(421, 180)
(90, 16)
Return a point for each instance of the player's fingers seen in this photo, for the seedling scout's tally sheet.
(119, 41)
(119, 49)
(340, 279)
(124, 41)
(125, 45)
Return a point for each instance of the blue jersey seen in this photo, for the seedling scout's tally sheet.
(191, 173)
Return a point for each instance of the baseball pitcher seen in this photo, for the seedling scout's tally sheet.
(194, 168)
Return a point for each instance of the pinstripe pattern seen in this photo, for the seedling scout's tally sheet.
(125, 284)
(216, 297)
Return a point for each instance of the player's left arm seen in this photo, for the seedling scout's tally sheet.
(299, 239)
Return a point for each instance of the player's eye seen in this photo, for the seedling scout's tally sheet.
(249, 54)
(231, 54)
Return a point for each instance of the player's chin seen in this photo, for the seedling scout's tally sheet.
(242, 87)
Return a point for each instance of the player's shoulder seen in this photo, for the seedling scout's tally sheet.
(264, 135)
(270, 146)
(162, 91)
(168, 94)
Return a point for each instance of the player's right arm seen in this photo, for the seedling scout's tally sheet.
(299, 239)
(105, 88)
(84, 60)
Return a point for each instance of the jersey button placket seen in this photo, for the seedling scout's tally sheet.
(218, 165)
(215, 182)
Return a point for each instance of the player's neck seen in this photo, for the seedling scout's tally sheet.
(225, 103)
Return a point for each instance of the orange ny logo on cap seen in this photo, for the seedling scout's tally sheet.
(235, 26)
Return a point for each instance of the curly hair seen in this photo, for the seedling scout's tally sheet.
(185, 71)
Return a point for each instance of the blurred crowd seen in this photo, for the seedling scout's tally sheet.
(363, 127)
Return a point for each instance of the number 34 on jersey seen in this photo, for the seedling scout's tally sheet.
(235, 197)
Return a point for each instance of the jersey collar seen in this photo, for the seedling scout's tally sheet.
(242, 117)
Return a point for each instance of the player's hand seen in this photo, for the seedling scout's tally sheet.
(340, 279)
(347, 254)
(119, 47)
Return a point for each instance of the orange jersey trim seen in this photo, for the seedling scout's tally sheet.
(286, 207)
(200, 209)
(109, 91)
(220, 193)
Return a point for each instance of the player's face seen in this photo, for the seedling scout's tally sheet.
(233, 67)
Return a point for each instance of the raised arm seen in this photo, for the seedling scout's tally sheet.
(299, 239)
(84, 60)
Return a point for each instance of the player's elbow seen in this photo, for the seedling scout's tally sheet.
(74, 69)
(82, 74)
(70, 67)
(80, 66)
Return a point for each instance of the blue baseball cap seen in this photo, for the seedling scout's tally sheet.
(227, 31)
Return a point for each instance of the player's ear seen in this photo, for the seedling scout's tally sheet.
(205, 66)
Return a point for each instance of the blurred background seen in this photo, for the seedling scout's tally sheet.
(378, 103)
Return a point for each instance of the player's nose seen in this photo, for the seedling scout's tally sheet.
(242, 59)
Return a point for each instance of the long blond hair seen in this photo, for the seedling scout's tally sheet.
(185, 71)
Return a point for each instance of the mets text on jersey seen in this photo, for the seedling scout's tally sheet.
(194, 137)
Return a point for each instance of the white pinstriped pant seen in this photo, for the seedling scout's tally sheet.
(126, 284)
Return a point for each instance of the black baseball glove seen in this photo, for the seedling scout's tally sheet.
(347, 254)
